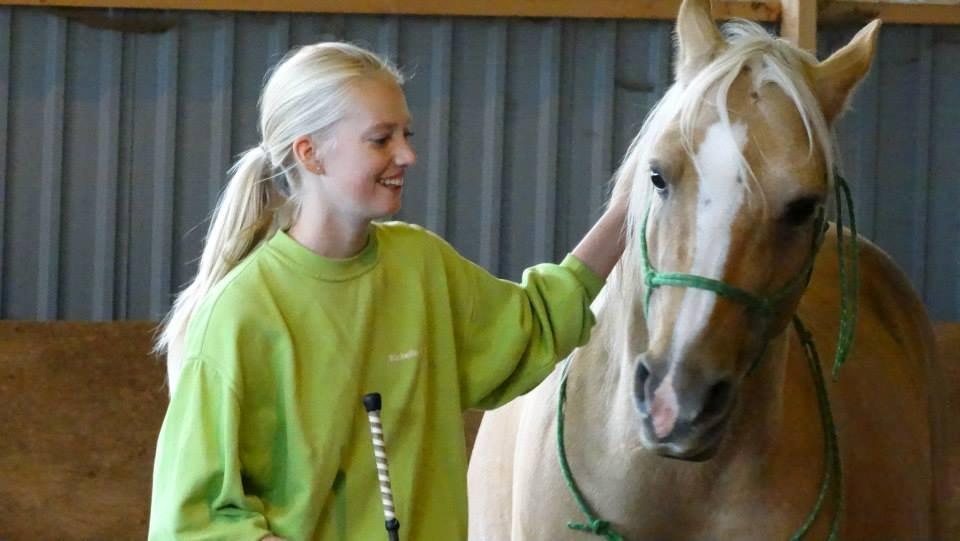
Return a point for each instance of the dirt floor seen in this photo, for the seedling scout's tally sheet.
(82, 406)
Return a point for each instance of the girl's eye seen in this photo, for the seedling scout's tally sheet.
(383, 140)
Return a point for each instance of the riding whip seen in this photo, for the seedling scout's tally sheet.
(372, 404)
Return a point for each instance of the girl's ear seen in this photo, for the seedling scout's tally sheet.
(308, 154)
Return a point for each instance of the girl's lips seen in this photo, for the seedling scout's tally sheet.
(393, 182)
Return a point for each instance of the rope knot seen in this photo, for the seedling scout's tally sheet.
(596, 527)
(648, 277)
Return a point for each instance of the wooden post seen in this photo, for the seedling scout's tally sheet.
(798, 23)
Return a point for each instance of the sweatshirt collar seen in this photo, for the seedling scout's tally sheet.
(326, 268)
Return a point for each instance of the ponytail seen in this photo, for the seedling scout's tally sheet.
(245, 215)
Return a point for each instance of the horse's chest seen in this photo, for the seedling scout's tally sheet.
(669, 500)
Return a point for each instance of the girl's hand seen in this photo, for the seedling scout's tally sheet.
(601, 247)
(272, 538)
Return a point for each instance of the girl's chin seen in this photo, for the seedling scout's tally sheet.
(387, 211)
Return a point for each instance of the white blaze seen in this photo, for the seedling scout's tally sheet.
(720, 198)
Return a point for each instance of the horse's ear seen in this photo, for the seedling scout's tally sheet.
(835, 78)
(698, 39)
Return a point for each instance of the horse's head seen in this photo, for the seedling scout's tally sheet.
(727, 183)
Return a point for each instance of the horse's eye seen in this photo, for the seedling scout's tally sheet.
(800, 210)
(658, 181)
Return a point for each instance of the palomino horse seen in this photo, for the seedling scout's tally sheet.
(695, 411)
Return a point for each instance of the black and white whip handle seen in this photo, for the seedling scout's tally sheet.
(372, 404)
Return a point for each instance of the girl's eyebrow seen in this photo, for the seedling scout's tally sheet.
(388, 126)
(383, 126)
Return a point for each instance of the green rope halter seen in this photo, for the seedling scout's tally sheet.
(767, 306)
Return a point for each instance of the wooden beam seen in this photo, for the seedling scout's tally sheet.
(847, 11)
(756, 10)
(799, 23)
(834, 12)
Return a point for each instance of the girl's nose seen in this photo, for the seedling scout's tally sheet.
(405, 155)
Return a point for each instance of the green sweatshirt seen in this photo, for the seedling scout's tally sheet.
(266, 430)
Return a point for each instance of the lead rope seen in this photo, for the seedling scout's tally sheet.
(833, 467)
(849, 283)
(593, 524)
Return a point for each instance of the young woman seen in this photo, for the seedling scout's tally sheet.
(302, 304)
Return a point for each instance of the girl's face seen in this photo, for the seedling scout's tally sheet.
(369, 152)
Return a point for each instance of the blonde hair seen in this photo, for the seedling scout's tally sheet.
(307, 93)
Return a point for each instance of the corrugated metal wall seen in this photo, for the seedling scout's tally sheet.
(115, 144)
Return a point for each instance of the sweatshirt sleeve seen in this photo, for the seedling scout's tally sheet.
(515, 333)
(197, 489)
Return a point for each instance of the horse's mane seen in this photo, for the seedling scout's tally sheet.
(772, 61)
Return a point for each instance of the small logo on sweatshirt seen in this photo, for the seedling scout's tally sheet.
(403, 356)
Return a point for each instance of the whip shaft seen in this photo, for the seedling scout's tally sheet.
(372, 404)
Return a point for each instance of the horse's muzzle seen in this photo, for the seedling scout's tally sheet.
(684, 414)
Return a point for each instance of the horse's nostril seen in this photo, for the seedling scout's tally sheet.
(642, 375)
(640, 385)
(718, 397)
